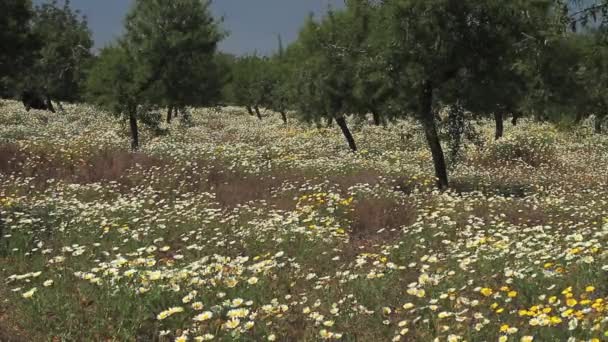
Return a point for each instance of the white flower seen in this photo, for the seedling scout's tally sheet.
(29, 293)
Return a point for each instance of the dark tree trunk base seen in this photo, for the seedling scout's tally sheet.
(250, 111)
(169, 116)
(341, 121)
(134, 130)
(257, 112)
(430, 131)
(49, 104)
(499, 119)
(284, 117)
(377, 120)
(578, 118)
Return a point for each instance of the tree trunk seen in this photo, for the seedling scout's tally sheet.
(430, 131)
(598, 125)
(500, 129)
(134, 131)
(578, 118)
(49, 104)
(341, 121)
(376, 116)
(516, 116)
(257, 112)
(169, 112)
(250, 111)
(284, 117)
(330, 121)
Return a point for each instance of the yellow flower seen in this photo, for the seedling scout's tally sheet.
(231, 282)
(408, 306)
(486, 291)
(325, 334)
(571, 302)
(328, 323)
(238, 313)
(232, 323)
(203, 316)
(182, 338)
(527, 339)
(589, 288)
(512, 294)
(555, 320)
(237, 302)
(504, 328)
(169, 312)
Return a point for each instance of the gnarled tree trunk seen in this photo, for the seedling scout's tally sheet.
(257, 112)
(500, 129)
(377, 120)
(169, 114)
(341, 121)
(427, 119)
(284, 117)
(249, 110)
(49, 104)
(516, 116)
(134, 130)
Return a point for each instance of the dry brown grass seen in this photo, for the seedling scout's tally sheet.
(376, 220)
(102, 165)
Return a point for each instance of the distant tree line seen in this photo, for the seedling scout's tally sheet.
(543, 59)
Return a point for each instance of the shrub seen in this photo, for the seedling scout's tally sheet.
(532, 147)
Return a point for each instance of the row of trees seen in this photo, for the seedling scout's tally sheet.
(387, 58)
(393, 58)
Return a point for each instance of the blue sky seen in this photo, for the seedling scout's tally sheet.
(253, 24)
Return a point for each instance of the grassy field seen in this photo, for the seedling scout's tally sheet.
(236, 229)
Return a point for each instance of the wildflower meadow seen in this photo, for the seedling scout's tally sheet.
(233, 228)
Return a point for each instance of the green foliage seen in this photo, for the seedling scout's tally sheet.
(592, 77)
(166, 58)
(65, 54)
(171, 46)
(110, 82)
(17, 41)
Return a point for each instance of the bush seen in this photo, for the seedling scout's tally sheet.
(532, 147)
